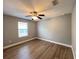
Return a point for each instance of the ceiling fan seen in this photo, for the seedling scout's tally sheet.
(35, 15)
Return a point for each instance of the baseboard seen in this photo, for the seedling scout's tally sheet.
(14, 44)
(56, 42)
(73, 53)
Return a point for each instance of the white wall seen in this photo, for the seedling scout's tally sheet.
(56, 29)
(74, 31)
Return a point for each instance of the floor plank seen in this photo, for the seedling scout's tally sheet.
(38, 49)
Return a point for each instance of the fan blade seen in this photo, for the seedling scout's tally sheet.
(28, 16)
(39, 17)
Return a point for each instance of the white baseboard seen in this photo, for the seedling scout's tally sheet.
(14, 44)
(73, 53)
(56, 42)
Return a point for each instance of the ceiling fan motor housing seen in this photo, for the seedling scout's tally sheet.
(34, 13)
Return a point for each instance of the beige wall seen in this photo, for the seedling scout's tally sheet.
(56, 29)
(10, 30)
(74, 30)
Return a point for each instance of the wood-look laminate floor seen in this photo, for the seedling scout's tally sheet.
(38, 49)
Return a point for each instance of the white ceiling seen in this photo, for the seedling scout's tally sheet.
(21, 8)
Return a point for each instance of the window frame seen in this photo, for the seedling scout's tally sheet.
(25, 35)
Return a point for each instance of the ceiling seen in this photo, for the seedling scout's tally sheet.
(21, 8)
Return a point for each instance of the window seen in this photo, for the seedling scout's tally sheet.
(22, 29)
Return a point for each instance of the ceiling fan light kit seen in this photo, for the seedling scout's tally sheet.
(34, 17)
